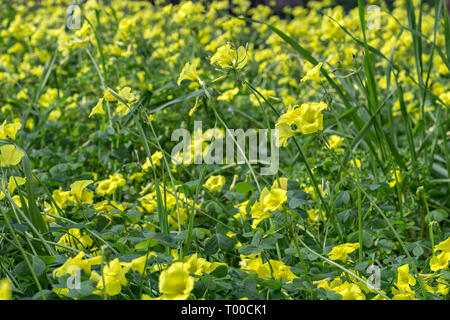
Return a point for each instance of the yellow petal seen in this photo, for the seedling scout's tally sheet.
(10, 155)
(98, 109)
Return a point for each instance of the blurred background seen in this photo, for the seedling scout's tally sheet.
(280, 4)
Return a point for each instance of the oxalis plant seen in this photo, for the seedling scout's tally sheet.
(223, 151)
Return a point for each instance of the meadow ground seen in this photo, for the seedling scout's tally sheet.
(122, 177)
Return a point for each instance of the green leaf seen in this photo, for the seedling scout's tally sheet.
(211, 246)
(224, 243)
(244, 187)
(220, 271)
(256, 238)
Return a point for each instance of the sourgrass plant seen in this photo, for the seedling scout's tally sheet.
(93, 205)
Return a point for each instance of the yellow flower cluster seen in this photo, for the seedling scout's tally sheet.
(176, 282)
(402, 290)
(13, 182)
(75, 238)
(342, 251)
(348, 290)
(112, 278)
(127, 97)
(307, 118)
(78, 193)
(228, 57)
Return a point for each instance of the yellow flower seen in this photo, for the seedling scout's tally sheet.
(255, 265)
(109, 186)
(258, 213)
(442, 287)
(341, 252)
(313, 73)
(242, 207)
(198, 265)
(5, 290)
(12, 184)
(214, 183)
(98, 109)
(274, 199)
(29, 124)
(444, 246)
(308, 118)
(108, 96)
(49, 97)
(404, 296)
(404, 278)
(72, 265)
(10, 155)
(194, 108)
(77, 189)
(348, 291)
(23, 94)
(175, 283)
(356, 163)
(445, 97)
(284, 133)
(61, 292)
(280, 183)
(395, 178)
(402, 289)
(18, 202)
(156, 157)
(228, 57)
(124, 94)
(315, 215)
(268, 94)
(139, 264)
(54, 115)
(268, 201)
(272, 269)
(189, 72)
